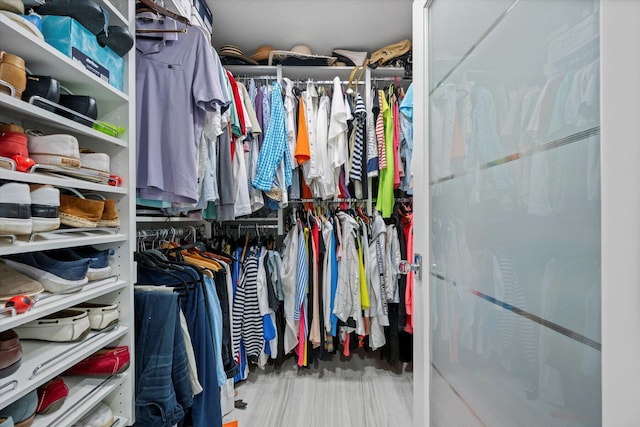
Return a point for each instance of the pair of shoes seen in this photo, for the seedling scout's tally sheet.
(54, 275)
(22, 411)
(12, 71)
(27, 209)
(108, 361)
(88, 213)
(10, 353)
(95, 162)
(14, 283)
(100, 416)
(13, 145)
(64, 326)
(57, 150)
(99, 267)
(51, 396)
(101, 316)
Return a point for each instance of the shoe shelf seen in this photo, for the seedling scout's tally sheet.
(85, 237)
(36, 116)
(84, 394)
(48, 359)
(47, 303)
(57, 181)
(43, 59)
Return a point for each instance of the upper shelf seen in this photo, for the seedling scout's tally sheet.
(43, 59)
(37, 115)
(305, 72)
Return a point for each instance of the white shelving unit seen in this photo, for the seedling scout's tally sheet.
(117, 107)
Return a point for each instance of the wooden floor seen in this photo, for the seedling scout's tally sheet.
(360, 392)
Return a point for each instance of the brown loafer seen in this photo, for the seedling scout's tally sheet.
(10, 353)
(109, 215)
(82, 213)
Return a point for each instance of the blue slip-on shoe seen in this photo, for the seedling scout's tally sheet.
(99, 267)
(23, 410)
(55, 276)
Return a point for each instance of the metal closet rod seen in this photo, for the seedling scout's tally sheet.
(300, 201)
(247, 226)
(178, 231)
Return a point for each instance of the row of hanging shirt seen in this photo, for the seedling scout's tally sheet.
(194, 117)
(335, 275)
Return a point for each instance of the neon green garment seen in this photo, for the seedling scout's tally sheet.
(385, 187)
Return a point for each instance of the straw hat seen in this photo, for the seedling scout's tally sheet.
(233, 55)
(25, 23)
(300, 54)
(262, 53)
(15, 6)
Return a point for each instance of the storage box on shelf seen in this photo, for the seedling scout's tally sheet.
(114, 106)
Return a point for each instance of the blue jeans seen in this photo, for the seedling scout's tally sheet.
(206, 410)
(163, 391)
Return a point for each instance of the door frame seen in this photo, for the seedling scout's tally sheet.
(421, 215)
(620, 197)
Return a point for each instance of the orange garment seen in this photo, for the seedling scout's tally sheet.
(303, 151)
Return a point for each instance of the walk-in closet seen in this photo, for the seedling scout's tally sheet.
(350, 213)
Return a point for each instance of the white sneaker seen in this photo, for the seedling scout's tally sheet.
(45, 201)
(56, 150)
(15, 209)
(94, 161)
(101, 416)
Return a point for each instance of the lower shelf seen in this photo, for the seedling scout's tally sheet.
(42, 361)
(84, 395)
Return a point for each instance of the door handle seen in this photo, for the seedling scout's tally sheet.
(405, 267)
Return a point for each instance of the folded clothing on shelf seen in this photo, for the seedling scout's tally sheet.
(64, 326)
(10, 353)
(55, 276)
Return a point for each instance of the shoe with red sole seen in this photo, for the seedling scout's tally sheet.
(109, 361)
(51, 396)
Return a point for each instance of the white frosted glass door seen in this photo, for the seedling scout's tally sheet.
(514, 186)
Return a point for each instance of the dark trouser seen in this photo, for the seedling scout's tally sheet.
(160, 355)
(230, 365)
(206, 410)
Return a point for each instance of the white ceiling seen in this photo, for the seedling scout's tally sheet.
(321, 24)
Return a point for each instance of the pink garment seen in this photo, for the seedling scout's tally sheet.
(302, 340)
(396, 145)
(382, 154)
(314, 334)
(407, 228)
